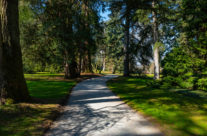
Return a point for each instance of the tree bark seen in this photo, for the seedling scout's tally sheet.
(87, 65)
(114, 68)
(126, 48)
(66, 69)
(104, 61)
(80, 64)
(156, 49)
(12, 82)
(73, 69)
(89, 62)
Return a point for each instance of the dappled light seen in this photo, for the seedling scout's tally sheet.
(57, 55)
(92, 109)
(184, 114)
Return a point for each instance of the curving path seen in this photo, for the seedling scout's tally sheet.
(93, 110)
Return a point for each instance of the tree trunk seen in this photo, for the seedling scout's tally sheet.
(12, 82)
(89, 63)
(66, 65)
(156, 49)
(73, 69)
(80, 64)
(126, 48)
(87, 66)
(66, 69)
(104, 62)
(85, 63)
(115, 68)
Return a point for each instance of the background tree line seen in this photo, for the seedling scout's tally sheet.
(68, 36)
(59, 35)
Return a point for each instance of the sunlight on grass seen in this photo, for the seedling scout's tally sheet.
(177, 113)
(49, 89)
(32, 119)
(44, 76)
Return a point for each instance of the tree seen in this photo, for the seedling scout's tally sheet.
(114, 37)
(125, 11)
(156, 39)
(12, 82)
(185, 65)
(58, 23)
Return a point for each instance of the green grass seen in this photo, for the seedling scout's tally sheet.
(49, 89)
(43, 75)
(26, 119)
(32, 119)
(177, 113)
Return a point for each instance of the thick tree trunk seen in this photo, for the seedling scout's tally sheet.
(73, 69)
(85, 64)
(156, 49)
(126, 48)
(12, 82)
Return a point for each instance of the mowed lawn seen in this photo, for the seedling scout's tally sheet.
(176, 112)
(33, 118)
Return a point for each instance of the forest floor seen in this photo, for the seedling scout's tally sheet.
(48, 92)
(93, 110)
(177, 112)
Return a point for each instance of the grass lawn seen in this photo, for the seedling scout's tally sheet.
(176, 113)
(33, 119)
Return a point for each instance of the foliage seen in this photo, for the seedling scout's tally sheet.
(177, 67)
(202, 84)
(186, 64)
(56, 35)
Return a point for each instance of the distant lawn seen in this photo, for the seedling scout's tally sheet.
(43, 75)
(177, 113)
(49, 89)
(33, 119)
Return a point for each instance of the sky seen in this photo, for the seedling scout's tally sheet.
(105, 15)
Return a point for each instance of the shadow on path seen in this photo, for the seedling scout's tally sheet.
(93, 110)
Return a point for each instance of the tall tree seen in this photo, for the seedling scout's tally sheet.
(124, 8)
(59, 25)
(156, 39)
(12, 82)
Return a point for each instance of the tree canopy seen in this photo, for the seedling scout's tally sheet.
(70, 36)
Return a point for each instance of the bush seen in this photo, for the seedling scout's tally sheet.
(202, 84)
(54, 68)
(154, 84)
(9, 101)
(170, 80)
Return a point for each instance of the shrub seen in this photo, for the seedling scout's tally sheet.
(202, 84)
(154, 84)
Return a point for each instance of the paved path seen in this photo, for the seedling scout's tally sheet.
(93, 110)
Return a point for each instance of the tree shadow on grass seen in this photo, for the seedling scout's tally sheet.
(25, 119)
(184, 113)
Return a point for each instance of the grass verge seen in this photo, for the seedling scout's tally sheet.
(48, 92)
(177, 114)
